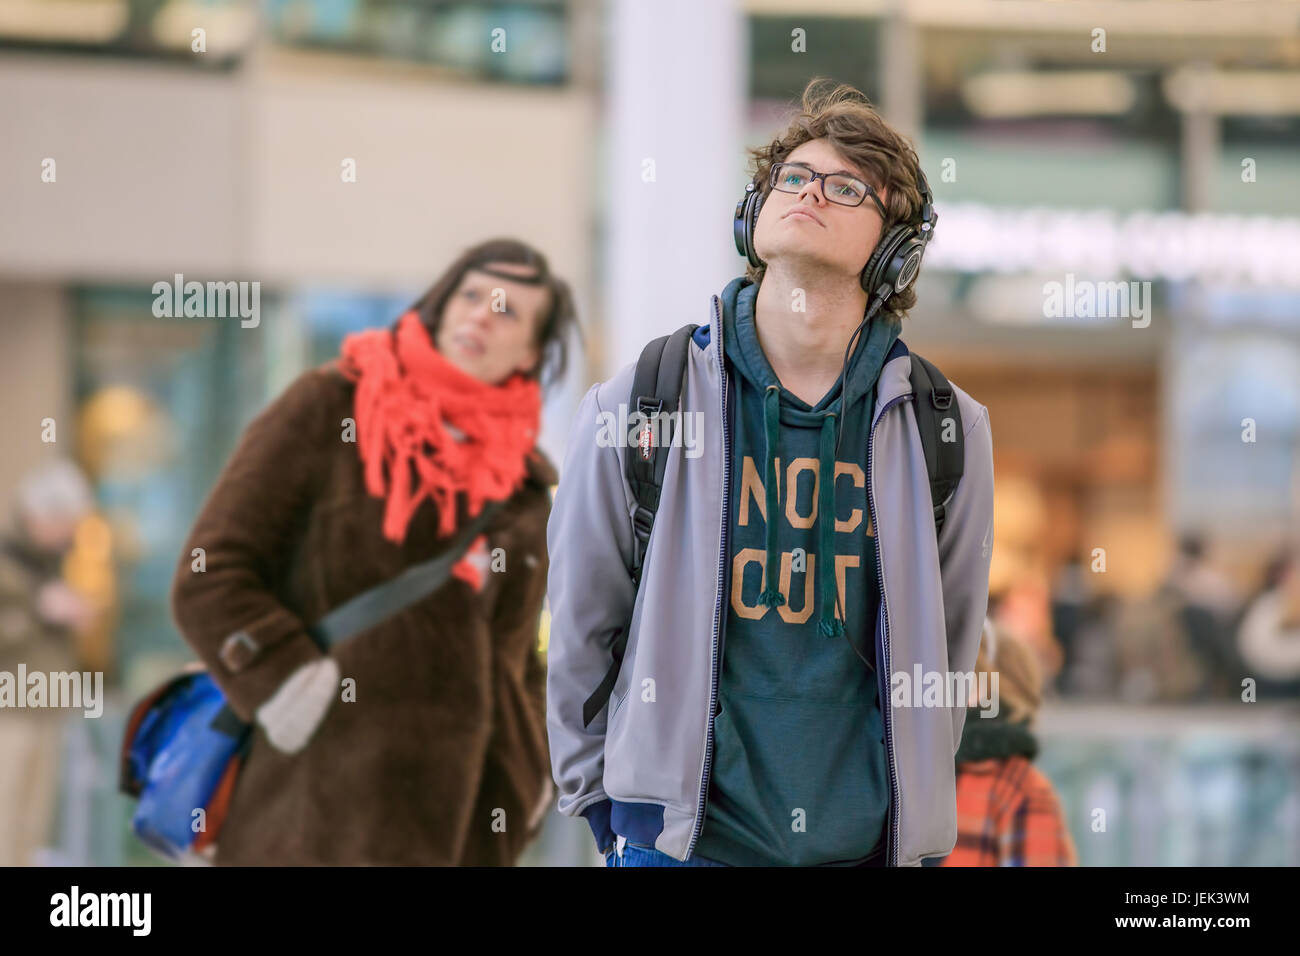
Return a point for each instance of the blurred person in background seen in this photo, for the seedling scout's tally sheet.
(1021, 589)
(1177, 643)
(41, 618)
(1210, 607)
(447, 730)
(1093, 670)
(1023, 603)
(1084, 626)
(1154, 661)
(1008, 813)
(1269, 637)
(798, 719)
(1069, 614)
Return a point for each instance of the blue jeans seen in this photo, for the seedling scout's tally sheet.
(637, 855)
(634, 854)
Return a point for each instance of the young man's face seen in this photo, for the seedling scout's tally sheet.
(807, 227)
(493, 344)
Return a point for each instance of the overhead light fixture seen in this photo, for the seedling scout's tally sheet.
(1002, 95)
(68, 21)
(1234, 92)
(229, 27)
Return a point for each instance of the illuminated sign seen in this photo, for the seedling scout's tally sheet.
(1220, 248)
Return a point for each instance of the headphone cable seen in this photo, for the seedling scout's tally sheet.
(877, 301)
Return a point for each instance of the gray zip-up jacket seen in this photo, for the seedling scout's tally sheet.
(641, 768)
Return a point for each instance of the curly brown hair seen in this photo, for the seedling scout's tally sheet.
(845, 118)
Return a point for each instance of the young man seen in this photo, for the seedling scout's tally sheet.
(793, 565)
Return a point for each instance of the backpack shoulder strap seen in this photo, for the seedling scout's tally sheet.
(938, 417)
(656, 391)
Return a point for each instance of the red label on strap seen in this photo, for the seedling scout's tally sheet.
(646, 441)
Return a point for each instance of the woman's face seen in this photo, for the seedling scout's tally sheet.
(489, 324)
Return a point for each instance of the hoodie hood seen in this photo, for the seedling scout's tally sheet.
(744, 351)
(783, 408)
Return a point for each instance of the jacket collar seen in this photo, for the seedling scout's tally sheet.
(895, 377)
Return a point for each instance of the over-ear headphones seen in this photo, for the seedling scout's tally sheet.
(893, 265)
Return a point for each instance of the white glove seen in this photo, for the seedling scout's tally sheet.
(293, 713)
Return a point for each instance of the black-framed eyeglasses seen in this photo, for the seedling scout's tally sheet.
(838, 188)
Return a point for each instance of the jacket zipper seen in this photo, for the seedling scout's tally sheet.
(703, 800)
(891, 837)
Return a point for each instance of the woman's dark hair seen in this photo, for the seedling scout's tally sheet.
(552, 331)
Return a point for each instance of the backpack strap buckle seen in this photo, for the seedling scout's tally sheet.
(642, 521)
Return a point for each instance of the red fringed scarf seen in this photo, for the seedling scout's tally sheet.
(411, 403)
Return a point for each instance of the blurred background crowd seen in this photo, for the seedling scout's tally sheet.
(1147, 541)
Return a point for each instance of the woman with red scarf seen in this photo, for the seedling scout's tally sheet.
(423, 739)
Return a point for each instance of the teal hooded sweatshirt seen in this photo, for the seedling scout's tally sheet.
(800, 774)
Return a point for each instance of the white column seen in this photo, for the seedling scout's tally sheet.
(675, 112)
(1200, 143)
(35, 378)
(900, 73)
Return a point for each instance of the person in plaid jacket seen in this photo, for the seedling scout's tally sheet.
(1008, 813)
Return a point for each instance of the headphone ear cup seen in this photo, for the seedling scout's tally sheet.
(751, 223)
(909, 257)
(743, 225)
(874, 272)
(739, 231)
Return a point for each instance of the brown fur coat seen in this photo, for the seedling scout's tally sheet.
(442, 758)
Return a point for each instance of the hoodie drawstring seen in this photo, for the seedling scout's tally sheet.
(771, 596)
(830, 625)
